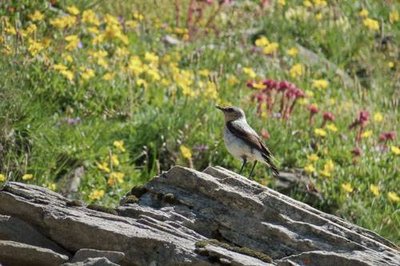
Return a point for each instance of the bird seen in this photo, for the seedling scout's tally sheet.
(243, 142)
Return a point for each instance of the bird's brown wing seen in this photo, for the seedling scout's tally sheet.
(254, 142)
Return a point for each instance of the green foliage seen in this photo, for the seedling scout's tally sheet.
(103, 91)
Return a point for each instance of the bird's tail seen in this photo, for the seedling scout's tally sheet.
(273, 167)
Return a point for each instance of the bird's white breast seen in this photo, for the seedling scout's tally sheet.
(237, 147)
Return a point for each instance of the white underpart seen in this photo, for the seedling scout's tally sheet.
(237, 147)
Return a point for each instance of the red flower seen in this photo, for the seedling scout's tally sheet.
(313, 109)
(328, 116)
(387, 136)
(361, 120)
(363, 117)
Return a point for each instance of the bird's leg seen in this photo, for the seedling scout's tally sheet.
(244, 163)
(252, 169)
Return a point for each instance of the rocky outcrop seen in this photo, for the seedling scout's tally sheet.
(182, 217)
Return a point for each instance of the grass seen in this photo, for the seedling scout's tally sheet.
(107, 94)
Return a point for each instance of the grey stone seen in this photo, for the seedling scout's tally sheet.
(85, 253)
(92, 262)
(14, 229)
(15, 253)
(186, 217)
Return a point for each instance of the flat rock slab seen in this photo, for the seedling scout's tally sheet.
(15, 253)
(86, 253)
(187, 217)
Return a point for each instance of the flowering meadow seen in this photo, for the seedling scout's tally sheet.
(107, 94)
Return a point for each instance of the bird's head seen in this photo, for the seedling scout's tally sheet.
(231, 113)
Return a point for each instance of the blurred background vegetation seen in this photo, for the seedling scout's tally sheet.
(99, 96)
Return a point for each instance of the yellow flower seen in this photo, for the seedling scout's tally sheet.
(108, 76)
(34, 47)
(332, 127)
(204, 72)
(309, 168)
(292, 51)
(63, 22)
(52, 186)
(378, 117)
(115, 177)
(271, 48)
(73, 42)
(135, 65)
(114, 160)
(296, 70)
(27, 176)
(390, 64)
(249, 72)
(232, 80)
(119, 145)
(87, 73)
(363, 13)
(371, 24)
(313, 157)
(320, 132)
(319, 16)
(59, 67)
(96, 194)
(347, 187)
(258, 85)
(307, 3)
(2, 178)
(141, 83)
(73, 10)
(320, 3)
(393, 197)
(210, 90)
(262, 41)
(185, 151)
(137, 16)
(36, 16)
(282, 2)
(394, 16)
(366, 134)
(131, 24)
(374, 189)
(67, 74)
(329, 166)
(151, 57)
(103, 167)
(88, 16)
(395, 150)
(10, 30)
(320, 84)
(325, 173)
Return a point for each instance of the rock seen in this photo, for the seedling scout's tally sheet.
(86, 253)
(15, 253)
(92, 262)
(12, 228)
(187, 217)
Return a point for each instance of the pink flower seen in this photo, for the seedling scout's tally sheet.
(265, 134)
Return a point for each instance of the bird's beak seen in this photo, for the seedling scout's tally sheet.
(220, 108)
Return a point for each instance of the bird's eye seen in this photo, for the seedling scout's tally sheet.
(230, 110)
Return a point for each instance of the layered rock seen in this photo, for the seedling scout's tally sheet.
(184, 217)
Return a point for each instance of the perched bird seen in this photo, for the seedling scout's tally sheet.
(242, 141)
